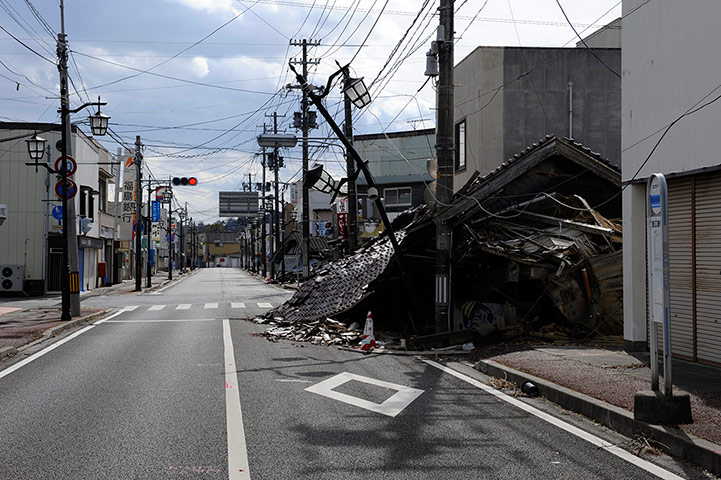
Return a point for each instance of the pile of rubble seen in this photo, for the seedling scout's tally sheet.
(319, 332)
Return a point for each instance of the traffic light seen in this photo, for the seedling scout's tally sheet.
(192, 181)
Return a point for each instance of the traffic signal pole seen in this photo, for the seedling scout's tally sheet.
(138, 215)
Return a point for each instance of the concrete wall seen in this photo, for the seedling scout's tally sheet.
(608, 36)
(670, 66)
(479, 100)
(537, 104)
(397, 154)
(513, 97)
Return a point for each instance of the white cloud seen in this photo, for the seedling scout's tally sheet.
(210, 6)
(200, 67)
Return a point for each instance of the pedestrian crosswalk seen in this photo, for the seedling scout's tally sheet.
(204, 306)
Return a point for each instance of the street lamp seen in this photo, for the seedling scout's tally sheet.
(321, 180)
(70, 281)
(99, 121)
(36, 147)
(356, 90)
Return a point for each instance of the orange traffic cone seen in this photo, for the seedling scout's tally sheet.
(368, 340)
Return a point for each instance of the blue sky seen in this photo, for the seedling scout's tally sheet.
(201, 117)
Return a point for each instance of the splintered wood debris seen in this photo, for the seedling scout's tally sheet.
(318, 332)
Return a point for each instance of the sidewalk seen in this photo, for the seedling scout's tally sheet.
(600, 383)
(26, 321)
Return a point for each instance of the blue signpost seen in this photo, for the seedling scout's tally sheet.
(57, 212)
(156, 211)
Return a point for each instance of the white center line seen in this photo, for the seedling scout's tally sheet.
(237, 305)
(237, 450)
(211, 305)
(184, 306)
(265, 305)
(609, 447)
(156, 307)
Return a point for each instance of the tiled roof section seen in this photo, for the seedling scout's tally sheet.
(339, 285)
(536, 145)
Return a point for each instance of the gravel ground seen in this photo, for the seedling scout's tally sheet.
(612, 385)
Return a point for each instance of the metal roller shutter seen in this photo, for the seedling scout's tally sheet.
(708, 268)
(680, 235)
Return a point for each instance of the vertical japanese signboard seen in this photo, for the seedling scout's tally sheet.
(658, 275)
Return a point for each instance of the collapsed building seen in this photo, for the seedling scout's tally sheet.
(537, 241)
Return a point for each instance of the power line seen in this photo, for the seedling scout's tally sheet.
(26, 46)
(584, 41)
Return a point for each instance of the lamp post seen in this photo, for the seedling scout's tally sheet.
(275, 141)
(69, 279)
(359, 96)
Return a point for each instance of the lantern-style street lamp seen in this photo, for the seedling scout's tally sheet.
(36, 147)
(99, 122)
(356, 90)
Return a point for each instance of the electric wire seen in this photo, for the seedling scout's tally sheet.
(558, 2)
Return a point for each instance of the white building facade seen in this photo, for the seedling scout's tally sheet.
(671, 74)
(31, 236)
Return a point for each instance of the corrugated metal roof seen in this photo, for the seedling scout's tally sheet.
(339, 285)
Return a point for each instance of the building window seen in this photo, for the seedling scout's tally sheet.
(91, 205)
(397, 197)
(83, 201)
(460, 145)
(103, 195)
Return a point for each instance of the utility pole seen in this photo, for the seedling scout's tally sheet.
(185, 240)
(138, 215)
(263, 215)
(350, 167)
(148, 266)
(446, 159)
(171, 249)
(70, 289)
(275, 165)
(305, 127)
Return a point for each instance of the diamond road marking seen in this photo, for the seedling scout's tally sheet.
(265, 305)
(403, 397)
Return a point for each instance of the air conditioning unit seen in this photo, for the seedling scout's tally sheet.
(11, 278)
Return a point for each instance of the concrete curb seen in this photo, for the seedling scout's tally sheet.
(674, 441)
(7, 352)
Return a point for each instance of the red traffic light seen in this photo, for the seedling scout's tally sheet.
(192, 181)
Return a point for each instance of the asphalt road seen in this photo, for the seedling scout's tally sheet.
(173, 385)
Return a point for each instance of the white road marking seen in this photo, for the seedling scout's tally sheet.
(237, 450)
(237, 305)
(166, 320)
(52, 347)
(609, 447)
(296, 380)
(158, 292)
(265, 305)
(184, 306)
(130, 308)
(211, 305)
(403, 397)
(156, 308)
